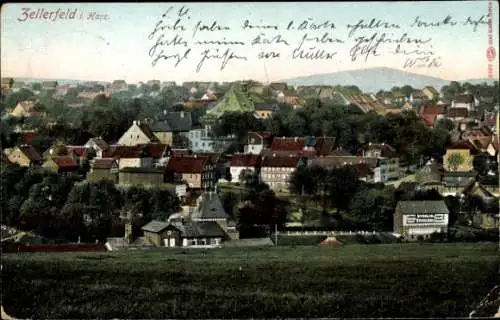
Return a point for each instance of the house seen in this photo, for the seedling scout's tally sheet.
(57, 149)
(459, 157)
(61, 164)
(139, 176)
(288, 96)
(458, 114)
(418, 97)
(197, 171)
(98, 145)
(244, 164)
(276, 171)
(303, 146)
(184, 233)
(278, 86)
(25, 156)
(265, 110)
(388, 155)
(200, 140)
(103, 169)
(133, 157)
(431, 93)
(430, 114)
(255, 142)
(465, 101)
(138, 133)
(170, 123)
(419, 219)
(378, 166)
(27, 109)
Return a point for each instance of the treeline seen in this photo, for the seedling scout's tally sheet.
(66, 207)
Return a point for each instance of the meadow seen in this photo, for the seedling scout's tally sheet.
(396, 280)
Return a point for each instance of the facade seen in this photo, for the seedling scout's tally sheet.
(257, 141)
(414, 219)
(458, 157)
(61, 164)
(201, 141)
(197, 171)
(170, 123)
(138, 133)
(146, 177)
(103, 169)
(276, 171)
(388, 168)
(466, 101)
(25, 156)
(248, 163)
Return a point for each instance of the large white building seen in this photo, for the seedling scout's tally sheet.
(415, 219)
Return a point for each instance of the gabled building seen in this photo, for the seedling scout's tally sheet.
(465, 101)
(61, 164)
(104, 169)
(255, 142)
(138, 133)
(25, 156)
(276, 171)
(247, 164)
(235, 100)
(431, 114)
(198, 172)
(98, 145)
(27, 109)
(287, 95)
(170, 123)
(418, 97)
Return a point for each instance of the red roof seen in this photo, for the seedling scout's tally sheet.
(428, 113)
(187, 164)
(77, 150)
(288, 144)
(280, 162)
(245, 160)
(284, 153)
(65, 162)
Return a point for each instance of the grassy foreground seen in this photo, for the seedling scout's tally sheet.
(399, 280)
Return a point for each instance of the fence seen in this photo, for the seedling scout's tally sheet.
(326, 233)
(54, 248)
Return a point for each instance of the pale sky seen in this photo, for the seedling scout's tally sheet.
(118, 48)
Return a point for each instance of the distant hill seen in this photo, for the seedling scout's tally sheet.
(375, 79)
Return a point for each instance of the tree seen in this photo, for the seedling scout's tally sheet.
(455, 160)
(406, 90)
(373, 209)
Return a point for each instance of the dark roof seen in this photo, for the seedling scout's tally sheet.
(386, 150)
(186, 164)
(100, 143)
(462, 145)
(148, 132)
(288, 144)
(155, 226)
(324, 145)
(464, 98)
(209, 208)
(363, 170)
(30, 152)
(417, 207)
(245, 160)
(180, 121)
(104, 163)
(65, 162)
(280, 161)
(155, 150)
(199, 229)
(119, 151)
(143, 170)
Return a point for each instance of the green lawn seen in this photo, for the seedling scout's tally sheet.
(402, 280)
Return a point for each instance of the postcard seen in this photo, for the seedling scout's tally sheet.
(250, 160)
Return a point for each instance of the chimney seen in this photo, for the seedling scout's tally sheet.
(182, 114)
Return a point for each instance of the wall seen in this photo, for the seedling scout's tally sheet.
(155, 238)
(253, 148)
(135, 163)
(466, 166)
(236, 171)
(193, 179)
(164, 137)
(276, 178)
(18, 157)
(145, 179)
(133, 136)
(102, 174)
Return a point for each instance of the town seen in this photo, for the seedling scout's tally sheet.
(210, 191)
(208, 164)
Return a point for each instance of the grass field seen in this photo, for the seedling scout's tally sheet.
(400, 280)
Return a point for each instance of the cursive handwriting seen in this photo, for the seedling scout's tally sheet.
(475, 22)
(247, 25)
(417, 51)
(224, 42)
(177, 40)
(373, 24)
(368, 46)
(227, 56)
(162, 26)
(312, 53)
(177, 57)
(448, 21)
(260, 39)
(422, 62)
(214, 26)
(309, 24)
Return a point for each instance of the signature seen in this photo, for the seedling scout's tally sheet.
(423, 62)
(227, 56)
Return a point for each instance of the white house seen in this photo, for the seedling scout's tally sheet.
(248, 163)
(256, 142)
(467, 101)
(138, 133)
(98, 145)
(415, 219)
